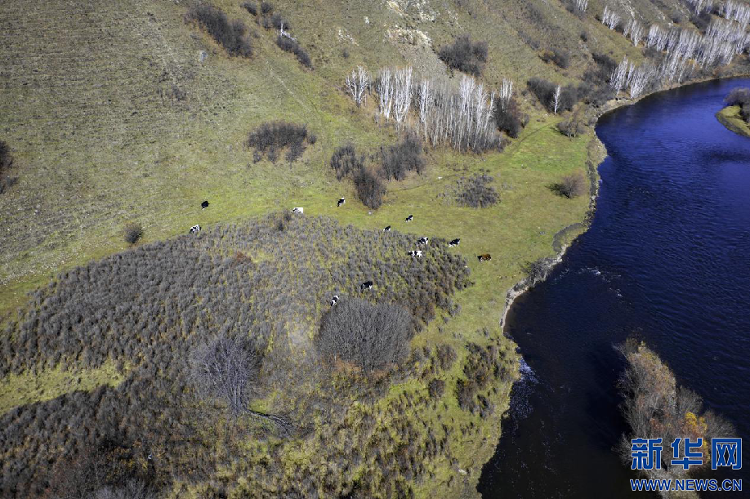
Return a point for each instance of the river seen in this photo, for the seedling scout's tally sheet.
(667, 258)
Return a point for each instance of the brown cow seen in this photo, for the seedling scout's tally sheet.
(484, 258)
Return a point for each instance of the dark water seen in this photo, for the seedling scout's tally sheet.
(668, 257)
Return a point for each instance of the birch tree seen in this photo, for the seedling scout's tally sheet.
(402, 92)
(385, 92)
(358, 84)
(610, 18)
(556, 98)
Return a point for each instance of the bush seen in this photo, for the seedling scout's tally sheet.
(508, 118)
(370, 188)
(545, 90)
(266, 8)
(404, 157)
(572, 126)
(476, 191)
(226, 368)
(371, 336)
(557, 56)
(251, 7)
(740, 97)
(464, 55)
(270, 138)
(345, 161)
(6, 162)
(571, 186)
(288, 45)
(436, 388)
(231, 36)
(133, 232)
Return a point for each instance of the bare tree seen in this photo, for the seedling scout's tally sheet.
(506, 92)
(581, 5)
(556, 98)
(358, 83)
(610, 18)
(385, 92)
(619, 78)
(402, 92)
(226, 368)
(426, 103)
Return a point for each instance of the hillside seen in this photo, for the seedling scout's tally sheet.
(133, 113)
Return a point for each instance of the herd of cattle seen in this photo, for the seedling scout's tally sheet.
(367, 285)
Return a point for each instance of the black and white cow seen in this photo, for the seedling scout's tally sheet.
(195, 229)
(455, 242)
(341, 201)
(299, 210)
(366, 285)
(410, 218)
(423, 240)
(334, 300)
(387, 229)
(416, 253)
(204, 205)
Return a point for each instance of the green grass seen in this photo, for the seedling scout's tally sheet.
(730, 118)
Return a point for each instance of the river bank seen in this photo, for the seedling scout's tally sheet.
(730, 118)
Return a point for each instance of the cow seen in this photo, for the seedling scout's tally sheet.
(341, 201)
(300, 210)
(415, 253)
(334, 300)
(387, 229)
(484, 258)
(410, 218)
(366, 285)
(423, 240)
(204, 205)
(195, 229)
(455, 242)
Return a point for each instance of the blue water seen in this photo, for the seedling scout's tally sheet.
(667, 258)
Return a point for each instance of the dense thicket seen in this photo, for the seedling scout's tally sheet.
(464, 55)
(476, 191)
(345, 161)
(557, 56)
(371, 336)
(508, 117)
(230, 35)
(370, 188)
(150, 310)
(290, 45)
(545, 91)
(272, 138)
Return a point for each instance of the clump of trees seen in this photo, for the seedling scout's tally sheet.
(6, 162)
(230, 35)
(370, 188)
(508, 117)
(656, 407)
(483, 365)
(571, 186)
(573, 125)
(476, 191)
(370, 336)
(345, 161)
(464, 55)
(132, 233)
(269, 19)
(740, 97)
(271, 138)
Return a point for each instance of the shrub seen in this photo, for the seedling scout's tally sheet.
(573, 125)
(740, 97)
(508, 118)
(370, 188)
(436, 388)
(6, 162)
(133, 232)
(251, 7)
(230, 35)
(404, 157)
(266, 8)
(288, 45)
(270, 138)
(226, 368)
(476, 191)
(464, 55)
(371, 336)
(545, 91)
(345, 161)
(571, 186)
(557, 56)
